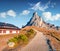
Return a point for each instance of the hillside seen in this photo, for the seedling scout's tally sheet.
(4, 38)
(52, 34)
(54, 37)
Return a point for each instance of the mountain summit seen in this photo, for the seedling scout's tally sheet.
(35, 20)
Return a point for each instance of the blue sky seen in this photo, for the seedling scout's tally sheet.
(19, 12)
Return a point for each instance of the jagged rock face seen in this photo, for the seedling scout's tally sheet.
(39, 22)
(35, 20)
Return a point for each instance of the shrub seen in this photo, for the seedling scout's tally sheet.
(20, 39)
(23, 38)
(30, 33)
(15, 40)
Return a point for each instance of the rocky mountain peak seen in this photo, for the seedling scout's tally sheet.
(35, 14)
(35, 20)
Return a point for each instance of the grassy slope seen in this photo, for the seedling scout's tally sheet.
(5, 38)
(54, 41)
(52, 34)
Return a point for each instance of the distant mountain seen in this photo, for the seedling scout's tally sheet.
(7, 26)
(36, 20)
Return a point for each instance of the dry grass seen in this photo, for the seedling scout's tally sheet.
(51, 34)
(4, 38)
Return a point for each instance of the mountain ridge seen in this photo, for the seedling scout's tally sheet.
(36, 20)
(8, 26)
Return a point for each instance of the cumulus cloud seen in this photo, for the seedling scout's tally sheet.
(25, 12)
(3, 14)
(8, 13)
(11, 13)
(49, 16)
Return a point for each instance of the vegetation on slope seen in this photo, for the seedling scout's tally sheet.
(22, 39)
(30, 33)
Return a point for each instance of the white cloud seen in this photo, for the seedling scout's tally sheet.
(8, 13)
(11, 13)
(57, 16)
(49, 16)
(25, 12)
(3, 14)
(40, 7)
